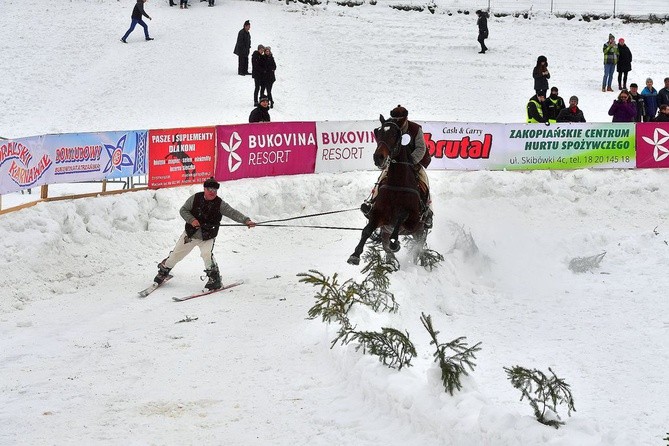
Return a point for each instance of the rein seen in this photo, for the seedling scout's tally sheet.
(265, 223)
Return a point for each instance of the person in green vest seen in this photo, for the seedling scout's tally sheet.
(536, 109)
(554, 104)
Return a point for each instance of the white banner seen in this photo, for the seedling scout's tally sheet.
(344, 146)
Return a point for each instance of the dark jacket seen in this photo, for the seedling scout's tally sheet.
(624, 59)
(243, 45)
(209, 214)
(661, 117)
(650, 101)
(663, 96)
(270, 68)
(540, 79)
(138, 11)
(259, 114)
(569, 115)
(482, 23)
(554, 104)
(622, 111)
(257, 65)
(640, 106)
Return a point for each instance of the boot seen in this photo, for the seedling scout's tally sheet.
(609, 89)
(163, 272)
(214, 281)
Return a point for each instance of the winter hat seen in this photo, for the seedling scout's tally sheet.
(541, 59)
(611, 36)
(263, 98)
(554, 89)
(621, 40)
(399, 112)
(633, 85)
(247, 23)
(573, 98)
(211, 182)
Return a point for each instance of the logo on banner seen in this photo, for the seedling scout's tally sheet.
(234, 160)
(117, 159)
(660, 136)
(459, 148)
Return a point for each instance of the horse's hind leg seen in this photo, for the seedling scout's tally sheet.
(354, 259)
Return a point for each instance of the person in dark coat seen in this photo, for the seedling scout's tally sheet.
(202, 213)
(663, 114)
(243, 48)
(571, 113)
(136, 16)
(257, 71)
(269, 78)
(649, 94)
(624, 65)
(622, 109)
(663, 94)
(482, 23)
(637, 100)
(541, 75)
(261, 112)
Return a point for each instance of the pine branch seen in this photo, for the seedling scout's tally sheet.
(392, 347)
(542, 392)
(452, 367)
(333, 301)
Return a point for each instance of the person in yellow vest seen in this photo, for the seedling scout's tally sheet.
(554, 104)
(536, 109)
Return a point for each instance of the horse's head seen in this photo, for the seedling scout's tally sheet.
(388, 141)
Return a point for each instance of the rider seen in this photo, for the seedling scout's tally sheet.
(420, 157)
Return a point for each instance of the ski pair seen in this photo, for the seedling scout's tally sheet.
(154, 286)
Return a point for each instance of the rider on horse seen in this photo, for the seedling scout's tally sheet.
(412, 138)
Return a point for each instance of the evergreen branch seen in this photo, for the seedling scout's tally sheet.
(333, 300)
(392, 347)
(452, 367)
(542, 392)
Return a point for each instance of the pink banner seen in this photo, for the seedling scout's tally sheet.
(652, 145)
(265, 149)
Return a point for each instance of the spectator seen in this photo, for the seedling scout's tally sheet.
(663, 94)
(482, 23)
(610, 61)
(261, 112)
(663, 115)
(269, 78)
(624, 63)
(571, 114)
(541, 75)
(649, 94)
(243, 48)
(536, 108)
(637, 100)
(257, 71)
(622, 109)
(136, 16)
(554, 104)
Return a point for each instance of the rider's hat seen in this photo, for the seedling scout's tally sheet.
(399, 112)
(211, 182)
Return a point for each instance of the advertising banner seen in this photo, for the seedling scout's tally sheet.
(474, 146)
(265, 149)
(652, 145)
(344, 146)
(181, 156)
(71, 158)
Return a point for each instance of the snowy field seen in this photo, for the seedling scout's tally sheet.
(84, 361)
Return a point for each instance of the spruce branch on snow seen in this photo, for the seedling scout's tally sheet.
(393, 347)
(544, 393)
(333, 300)
(452, 367)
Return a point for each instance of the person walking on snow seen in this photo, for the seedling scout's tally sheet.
(203, 213)
(136, 16)
(482, 23)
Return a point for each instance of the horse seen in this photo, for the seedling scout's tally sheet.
(397, 207)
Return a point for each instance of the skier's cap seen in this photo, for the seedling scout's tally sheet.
(212, 183)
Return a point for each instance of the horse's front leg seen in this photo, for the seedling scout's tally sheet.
(354, 259)
(394, 242)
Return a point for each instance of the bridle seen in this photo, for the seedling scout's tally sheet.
(394, 150)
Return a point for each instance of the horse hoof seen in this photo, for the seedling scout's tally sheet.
(353, 260)
(394, 245)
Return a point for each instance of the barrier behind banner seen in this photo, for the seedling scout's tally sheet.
(175, 157)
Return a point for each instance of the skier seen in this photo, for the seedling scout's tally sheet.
(203, 213)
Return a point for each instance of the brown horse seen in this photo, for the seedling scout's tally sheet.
(397, 208)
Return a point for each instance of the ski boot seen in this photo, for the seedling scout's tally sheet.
(163, 272)
(214, 281)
